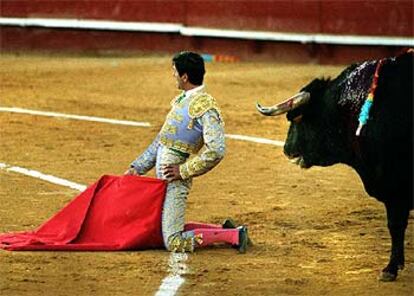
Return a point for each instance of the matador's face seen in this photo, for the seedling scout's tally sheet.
(180, 81)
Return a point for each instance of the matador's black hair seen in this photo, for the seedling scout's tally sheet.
(192, 64)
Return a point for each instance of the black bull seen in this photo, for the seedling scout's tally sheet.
(323, 122)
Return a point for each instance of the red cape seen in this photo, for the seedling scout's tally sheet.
(115, 213)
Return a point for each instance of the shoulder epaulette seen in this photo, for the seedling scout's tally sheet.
(200, 104)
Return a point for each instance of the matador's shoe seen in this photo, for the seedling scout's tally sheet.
(243, 239)
(229, 223)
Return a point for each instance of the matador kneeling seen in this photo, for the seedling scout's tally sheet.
(193, 122)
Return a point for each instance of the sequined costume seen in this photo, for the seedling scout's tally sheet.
(193, 122)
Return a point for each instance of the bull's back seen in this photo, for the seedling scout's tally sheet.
(389, 133)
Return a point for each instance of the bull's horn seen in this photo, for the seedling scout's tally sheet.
(291, 103)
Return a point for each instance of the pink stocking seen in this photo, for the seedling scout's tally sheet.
(218, 235)
(194, 225)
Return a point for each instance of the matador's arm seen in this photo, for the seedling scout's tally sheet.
(146, 161)
(213, 136)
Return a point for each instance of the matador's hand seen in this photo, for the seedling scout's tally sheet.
(131, 172)
(171, 172)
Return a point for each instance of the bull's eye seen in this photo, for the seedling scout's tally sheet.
(297, 119)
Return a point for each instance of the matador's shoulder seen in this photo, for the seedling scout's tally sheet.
(201, 103)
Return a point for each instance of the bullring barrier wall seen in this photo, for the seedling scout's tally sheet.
(301, 31)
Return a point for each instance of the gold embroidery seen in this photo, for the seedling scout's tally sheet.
(211, 154)
(184, 171)
(179, 145)
(190, 124)
(196, 165)
(198, 104)
(198, 239)
(179, 244)
(170, 129)
(175, 116)
(201, 103)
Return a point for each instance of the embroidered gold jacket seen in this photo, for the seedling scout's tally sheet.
(192, 123)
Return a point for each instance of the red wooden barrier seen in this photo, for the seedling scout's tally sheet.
(120, 10)
(383, 18)
(342, 17)
(359, 17)
(280, 16)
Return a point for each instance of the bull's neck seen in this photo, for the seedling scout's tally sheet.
(353, 88)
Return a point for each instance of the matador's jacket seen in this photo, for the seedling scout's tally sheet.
(194, 122)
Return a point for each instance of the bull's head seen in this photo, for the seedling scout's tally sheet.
(311, 112)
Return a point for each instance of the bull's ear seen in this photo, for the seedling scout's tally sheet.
(293, 114)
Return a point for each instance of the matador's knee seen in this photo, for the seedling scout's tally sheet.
(183, 242)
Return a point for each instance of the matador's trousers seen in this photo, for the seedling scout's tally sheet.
(173, 212)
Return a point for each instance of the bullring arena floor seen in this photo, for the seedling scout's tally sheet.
(316, 232)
